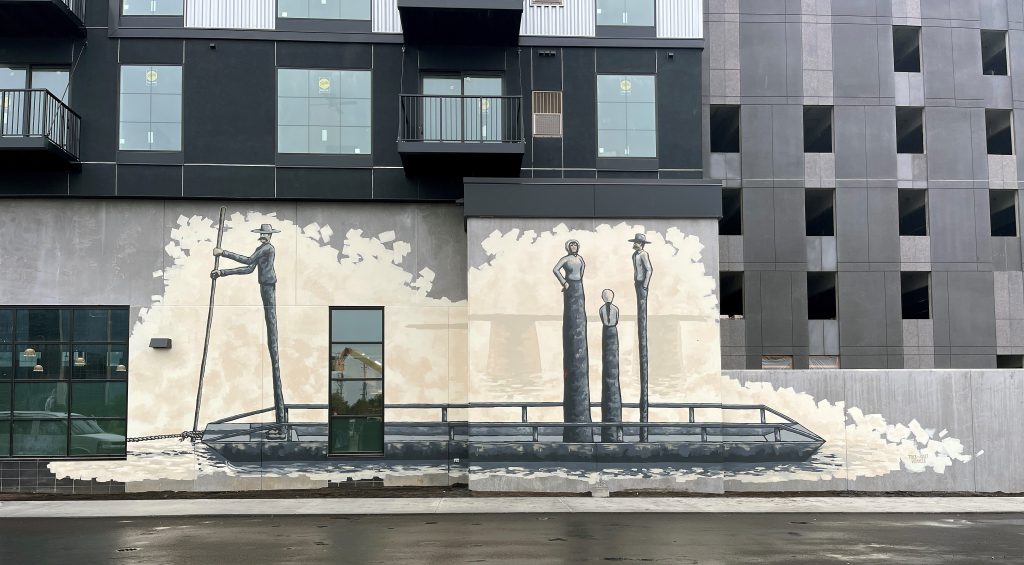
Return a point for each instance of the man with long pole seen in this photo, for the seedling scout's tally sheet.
(262, 259)
(642, 272)
(209, 326)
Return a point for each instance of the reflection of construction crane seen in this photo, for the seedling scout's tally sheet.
(362, 357)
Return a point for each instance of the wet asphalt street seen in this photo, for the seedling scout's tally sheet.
(520, 538)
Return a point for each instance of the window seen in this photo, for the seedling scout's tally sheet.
(818, 207)
(817, 129)
(823, 361)
(993, 52)
(725, 129)
(324, 9)
(150, 108)
(915, 295)
(357, 381)
(1003, 210)
(625, 12)
(325, 112)
(776, 362)
(999, 131)
(153, 7)
(906, 49)
(821, 296)
(63, 382)
(732, 212)
(909, 130)
(913, 204)
(626, 116)
(1010, 361)
(731, 294)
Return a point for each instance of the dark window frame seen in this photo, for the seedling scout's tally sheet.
(630, 30)
(904, 145)
(1000, 68)
(174, 155)
(730, 193)
(120, 11)
(814, 301)
(597, 123)
(820, 109)
(904, 298)
(727, 145)
(67, 345)
(382, 379)
(1001, 136)
(830, 230)
(1012, 194)
(734, 275)
(910, 68)
(903, 195)
(318, 159)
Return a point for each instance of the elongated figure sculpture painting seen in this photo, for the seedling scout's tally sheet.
(611, 396)
(263, 260)
(642, 272)
(575, 362)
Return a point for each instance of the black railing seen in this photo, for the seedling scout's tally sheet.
(460, 119)
(38, 113)
(77, 7)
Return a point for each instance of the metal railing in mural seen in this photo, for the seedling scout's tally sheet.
(705, 431)
(460, 119)
(37, 113)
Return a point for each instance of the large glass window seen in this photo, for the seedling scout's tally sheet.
(324, 9)
(150, 108)
(320, 111)
(625, 12)
(357, 381)
(152, 7)
(63, 382)
(15, 107)
(626, 116)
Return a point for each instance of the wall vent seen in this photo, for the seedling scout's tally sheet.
(547, 2)
(547, 113)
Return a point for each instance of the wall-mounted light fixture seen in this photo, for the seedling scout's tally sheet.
(160, 343)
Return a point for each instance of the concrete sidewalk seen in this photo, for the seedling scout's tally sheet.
(497, 505)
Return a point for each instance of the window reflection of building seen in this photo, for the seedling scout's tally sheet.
(356, 371)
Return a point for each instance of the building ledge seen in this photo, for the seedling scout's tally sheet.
(465, 22)
(42, 18)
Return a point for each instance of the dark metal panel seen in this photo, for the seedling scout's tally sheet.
(387, 78)
(49, 51)
(679, 109)
(547, 68)
(535, 198)
(149, 181)
(229, 102)
(96, 179)
(579, 116)
(324, 55)
(324, 184)
(324, 26)
(627, 61)
(393, 184)
(547, 152)
(228, 182)
(33, 183)
(94, 97)
(461, 59)
(151, 52)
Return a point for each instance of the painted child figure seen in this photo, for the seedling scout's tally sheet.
(611, 397)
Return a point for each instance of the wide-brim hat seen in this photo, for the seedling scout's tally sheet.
(266, 228)
(640, 238)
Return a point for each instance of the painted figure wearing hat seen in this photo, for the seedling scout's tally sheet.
(642, 272)
(262, 261)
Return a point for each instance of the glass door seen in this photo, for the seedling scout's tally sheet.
(466, 108)
(12, 105)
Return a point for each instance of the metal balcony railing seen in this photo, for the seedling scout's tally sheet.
(460, 119)
(37, 113)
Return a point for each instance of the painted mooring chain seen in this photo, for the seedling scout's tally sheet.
(189, 434)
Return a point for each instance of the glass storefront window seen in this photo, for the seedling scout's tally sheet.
(626, 116)
(324, 9)
(323, 112)
(63, 390)
(625, 12)
(356, 376)
(150, 115)
(153, 7)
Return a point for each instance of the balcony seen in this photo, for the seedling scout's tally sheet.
(463, 22)
(461, 135)
(42, 18)
(37, 130)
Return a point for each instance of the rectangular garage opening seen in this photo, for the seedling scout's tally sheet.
(909, 130)
(913, 205)
(820, 211)
(1003, 210)
(731, 294)
(821, 296)
(725, 129)
(999, 131)
(915, 295)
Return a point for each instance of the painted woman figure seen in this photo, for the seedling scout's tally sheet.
(611, 396)
(575, 362)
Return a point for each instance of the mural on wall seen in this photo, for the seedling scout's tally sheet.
(519, 343)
